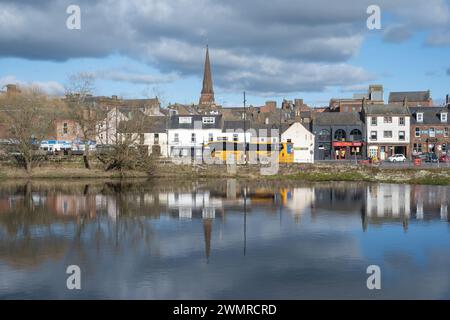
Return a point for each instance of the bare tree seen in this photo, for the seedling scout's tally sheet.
(28, 116)
(83, 110)
(128, 151)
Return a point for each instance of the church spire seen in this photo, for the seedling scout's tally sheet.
(207, 96)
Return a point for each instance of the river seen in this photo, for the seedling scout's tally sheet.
(224, 239)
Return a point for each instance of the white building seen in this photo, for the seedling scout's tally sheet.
(188, 135)
(387, 130)
(155, 136)
(106, 131)
(303, 142)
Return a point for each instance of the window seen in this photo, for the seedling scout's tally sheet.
(65, 128)
(446, 132)
(373, 135)
(444, 148)
(443, 117)
(210, 137)
(417, 132)
(185, 120)
(193, 137)
(209, 120)
(419, 117)
(432, 132)
(355, 135)
(401, 121)
(324, 135)
(176, 138)
(373, 121)
(417, 148)
(387, 134)
(340, 135)
(156, 138)
(235, 137)
(387, 119)
(289, 140)
(401, 135)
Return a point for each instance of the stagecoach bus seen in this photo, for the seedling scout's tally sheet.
(260, 152)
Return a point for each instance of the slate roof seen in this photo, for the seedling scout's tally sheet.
(412, 96)
(235, 125)
(386, 109)
(431, 115)
(155, 124)
(337, 118)
(175, 124)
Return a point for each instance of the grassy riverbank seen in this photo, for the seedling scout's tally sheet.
(293, 172)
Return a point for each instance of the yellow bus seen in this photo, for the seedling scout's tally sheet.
(260, 152)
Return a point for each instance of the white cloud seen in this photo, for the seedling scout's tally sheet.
(50, 87)
(295, 45)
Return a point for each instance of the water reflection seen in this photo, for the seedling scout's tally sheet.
(45, 226)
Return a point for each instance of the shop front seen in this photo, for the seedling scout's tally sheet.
(343, 150)
(383, 152)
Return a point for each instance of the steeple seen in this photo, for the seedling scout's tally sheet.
(207, 96)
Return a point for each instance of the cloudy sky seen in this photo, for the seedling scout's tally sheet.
(271, 49)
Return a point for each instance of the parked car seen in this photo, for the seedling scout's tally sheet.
(444, 158)
(421, 156)
(397, 158)
(431, 157)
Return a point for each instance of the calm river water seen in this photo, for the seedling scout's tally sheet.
(223, 239)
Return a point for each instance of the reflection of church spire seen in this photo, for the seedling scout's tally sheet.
(207, 230)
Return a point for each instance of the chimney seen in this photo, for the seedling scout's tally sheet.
(298, 103)
(114, 97)
(270, 106)
(12, 89)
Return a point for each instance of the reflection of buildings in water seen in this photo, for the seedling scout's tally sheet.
(388, 200)
(298, 200)
(430, 202)
(72, 205)
(342, 198)
(106, 204)
(187, 205)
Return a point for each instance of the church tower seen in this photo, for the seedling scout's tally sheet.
(207, 96)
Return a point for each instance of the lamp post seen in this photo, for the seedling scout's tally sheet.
(245, 129)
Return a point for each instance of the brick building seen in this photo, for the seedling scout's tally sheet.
(411, 98)
(429, 130)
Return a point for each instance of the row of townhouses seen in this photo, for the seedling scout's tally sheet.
(361, 127)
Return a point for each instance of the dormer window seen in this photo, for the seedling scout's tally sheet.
(443, 117)
(184, 120)
(419, 117)
(208, 120)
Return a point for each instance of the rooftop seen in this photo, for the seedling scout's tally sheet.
(412, 96)
(337, 118)
(386, 109)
